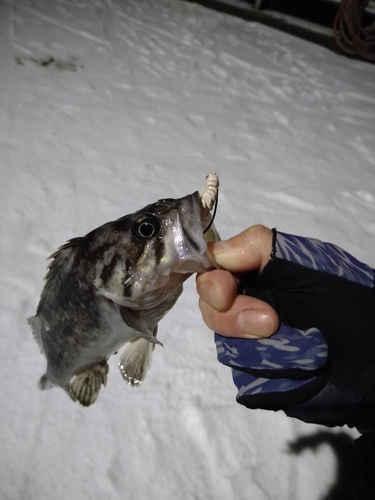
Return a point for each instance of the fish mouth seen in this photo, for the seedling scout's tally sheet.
(189, 238)
(185, 253)
(179, 251)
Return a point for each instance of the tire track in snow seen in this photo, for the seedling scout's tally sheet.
(149, 27)
(76, 31)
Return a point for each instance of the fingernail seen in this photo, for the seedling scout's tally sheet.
(255, 324)
(210, 294)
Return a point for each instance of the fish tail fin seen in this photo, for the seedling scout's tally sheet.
(45, 383)
(135, 361)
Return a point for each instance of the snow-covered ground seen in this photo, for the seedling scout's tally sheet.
(106, 106)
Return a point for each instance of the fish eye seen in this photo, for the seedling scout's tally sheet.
(146, 227)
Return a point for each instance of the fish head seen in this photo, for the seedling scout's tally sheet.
(153, 251)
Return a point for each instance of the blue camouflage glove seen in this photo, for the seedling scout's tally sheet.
(320, 365)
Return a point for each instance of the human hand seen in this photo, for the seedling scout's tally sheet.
(223, 309)
(318, 363)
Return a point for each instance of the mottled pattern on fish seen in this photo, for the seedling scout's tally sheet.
(113, 286)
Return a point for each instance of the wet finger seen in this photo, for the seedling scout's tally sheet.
(248, 317)
(247, 251)
(218, 288)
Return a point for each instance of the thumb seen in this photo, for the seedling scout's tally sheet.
(247, 251)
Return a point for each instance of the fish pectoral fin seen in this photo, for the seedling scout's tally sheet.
(86, 385)
(135, 361)
(134, 321)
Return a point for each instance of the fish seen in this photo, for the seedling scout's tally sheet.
(114, 285)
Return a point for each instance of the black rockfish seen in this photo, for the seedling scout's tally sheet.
(114, 285)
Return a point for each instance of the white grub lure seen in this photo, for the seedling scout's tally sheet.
(114, 285)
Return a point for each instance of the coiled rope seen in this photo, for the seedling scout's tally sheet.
(349, 33)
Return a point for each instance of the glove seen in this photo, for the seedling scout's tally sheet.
(320, 365)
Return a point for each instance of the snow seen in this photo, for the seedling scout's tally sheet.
(106, 107)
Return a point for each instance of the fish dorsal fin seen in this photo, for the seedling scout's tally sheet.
(36, 326)
(62, 261)
(61, 264)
